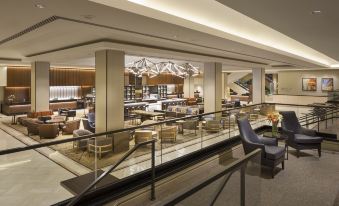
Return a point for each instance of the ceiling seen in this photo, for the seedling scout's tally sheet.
(295, 19)
(63, 35)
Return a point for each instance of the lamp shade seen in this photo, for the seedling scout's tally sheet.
(3, 76)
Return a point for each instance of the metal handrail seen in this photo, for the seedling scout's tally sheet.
(76, 199)
(40, 145)
(231, 168)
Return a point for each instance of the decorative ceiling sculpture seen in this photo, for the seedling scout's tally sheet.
(141, 67)
(145, 66)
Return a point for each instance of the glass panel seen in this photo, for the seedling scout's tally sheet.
(233, 188)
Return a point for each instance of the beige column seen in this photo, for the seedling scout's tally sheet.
(225, 89)
(212, 87)
(109, 86)
(189, 87)
(3, 83)
(258, 87)
(40, 86)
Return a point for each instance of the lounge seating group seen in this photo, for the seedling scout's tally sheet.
(46, 125)
(297, 137)
(118, 142)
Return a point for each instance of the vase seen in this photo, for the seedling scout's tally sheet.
(274, 129)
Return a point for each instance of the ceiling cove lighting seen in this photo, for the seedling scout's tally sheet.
(240, 26)
(335, 66)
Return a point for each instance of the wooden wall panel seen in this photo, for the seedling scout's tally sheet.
(22, 94)
(18, 77)
(165, 79)
(72, 77)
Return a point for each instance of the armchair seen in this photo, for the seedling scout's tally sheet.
(48, 130)
(70, 126)
(212, 126)
(168, 133)
(271, 154)
(190, 125)
(81, 144)
(299, 138)
(33, 127)
(100, 145)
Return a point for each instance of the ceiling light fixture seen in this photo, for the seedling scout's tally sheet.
(145, 66)
(39, 6)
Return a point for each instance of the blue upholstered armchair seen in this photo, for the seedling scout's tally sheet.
(299, 138)
(271, 154)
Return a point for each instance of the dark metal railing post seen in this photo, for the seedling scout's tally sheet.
(242, 186)
(153, 172)
(307, 122)
(326, 120)
(318, 122)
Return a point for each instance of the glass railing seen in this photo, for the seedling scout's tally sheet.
(238, 184)
(68, 165)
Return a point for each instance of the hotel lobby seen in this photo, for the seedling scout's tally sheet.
(145, 102)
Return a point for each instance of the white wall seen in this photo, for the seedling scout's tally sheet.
(290, 82)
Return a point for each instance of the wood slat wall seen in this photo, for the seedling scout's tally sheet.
(18, 77)
(165, 79)
(72, 77)
(21, 77)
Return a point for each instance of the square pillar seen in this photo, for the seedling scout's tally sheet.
(109, 86)
(258, 86)
(189, 87)
(40, 86)
(212, 87)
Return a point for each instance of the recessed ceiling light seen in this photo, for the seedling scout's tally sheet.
(88, 16)
(316, 12)
(39, 6)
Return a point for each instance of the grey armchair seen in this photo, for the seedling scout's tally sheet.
(190, 125)
(81, 144)
(299, 138)
(271, 154)
(213, 126)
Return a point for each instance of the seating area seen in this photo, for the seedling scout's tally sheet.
(47, 125)
(293, 135)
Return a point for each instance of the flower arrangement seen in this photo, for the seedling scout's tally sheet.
(274, 119)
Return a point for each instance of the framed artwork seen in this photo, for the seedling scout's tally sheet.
(327, 84)
(309, 84)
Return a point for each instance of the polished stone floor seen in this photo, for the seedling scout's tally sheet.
(29, 178)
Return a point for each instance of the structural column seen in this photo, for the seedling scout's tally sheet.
(189, 87)
(212, 87)
(225, 89)
(258, 86)
(109, 86)
(40, 86)
(3, 84)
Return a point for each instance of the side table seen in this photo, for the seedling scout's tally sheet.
(279, 137)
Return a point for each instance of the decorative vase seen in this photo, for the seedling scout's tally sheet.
(275, 129)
